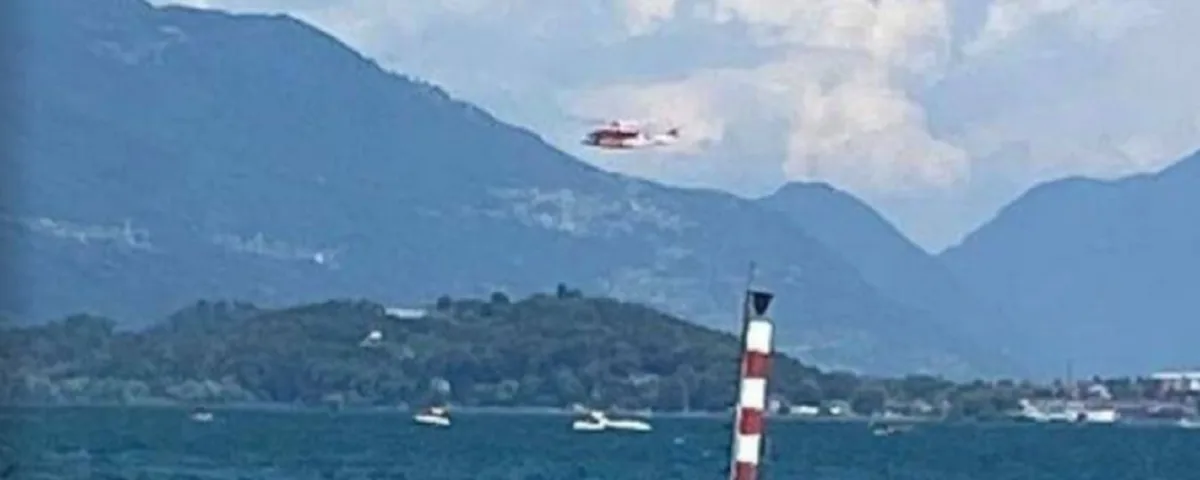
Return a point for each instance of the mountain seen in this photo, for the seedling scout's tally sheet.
(168, 154)
(1101, 274)
(893, 264)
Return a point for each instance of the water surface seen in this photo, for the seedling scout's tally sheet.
(76, 443)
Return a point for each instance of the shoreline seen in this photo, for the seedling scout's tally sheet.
(563, 413)
(457, 410)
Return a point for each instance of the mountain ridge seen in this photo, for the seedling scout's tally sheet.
(247, 166)
(892, 262)
(1097, 270)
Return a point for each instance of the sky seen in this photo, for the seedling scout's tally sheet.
(935, 112)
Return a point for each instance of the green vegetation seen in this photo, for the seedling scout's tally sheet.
(546, 350)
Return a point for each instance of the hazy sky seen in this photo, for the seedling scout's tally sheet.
(936, 112)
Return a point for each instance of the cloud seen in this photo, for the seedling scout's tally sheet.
(642, 17)
(840, 84)
(962, 101)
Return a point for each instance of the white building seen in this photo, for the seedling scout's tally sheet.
(1183, 381)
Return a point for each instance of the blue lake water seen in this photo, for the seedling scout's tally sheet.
(77, 443)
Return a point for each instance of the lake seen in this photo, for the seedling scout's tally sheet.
(146, 443)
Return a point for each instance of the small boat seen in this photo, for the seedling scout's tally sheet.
(1099, 416)
(201, 415)
(889, 430)
(885, 428)
(1189, 423)
(629, 424)
(595, 421)
(435, 416)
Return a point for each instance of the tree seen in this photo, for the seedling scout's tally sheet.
(840, 385)
(499, 298)
(807, 392)
(443, 303)
(562, 292)
(869, 399)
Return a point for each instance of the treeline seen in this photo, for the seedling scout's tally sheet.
(549, 350)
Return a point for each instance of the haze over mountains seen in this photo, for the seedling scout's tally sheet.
(887, 259)
(1101, 274)
(173, 154)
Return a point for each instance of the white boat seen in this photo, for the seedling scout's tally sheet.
(201, 415)
(887, 425)
(1030, 411)
(889, 430)
(1099, 416)
(629, 424)
(1067, 412)
(434, 416)
(1189, 423)
(587, 425)
(596, 421)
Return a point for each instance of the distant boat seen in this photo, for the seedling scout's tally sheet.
(1068, 412)
(1098, 416)
(1189, 423)
(202, 415)
(886, 426)
(433, 416)
(889, 430)
(595, 421)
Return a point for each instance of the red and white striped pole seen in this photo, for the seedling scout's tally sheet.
(752, 388)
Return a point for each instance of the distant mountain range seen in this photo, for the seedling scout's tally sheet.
(170, 154)
(894, 264)
(1101, 275)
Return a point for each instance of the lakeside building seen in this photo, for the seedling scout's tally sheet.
(1177, 381)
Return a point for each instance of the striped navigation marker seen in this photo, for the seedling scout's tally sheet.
(752, 390)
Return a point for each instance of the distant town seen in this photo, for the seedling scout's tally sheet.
(1169, 397)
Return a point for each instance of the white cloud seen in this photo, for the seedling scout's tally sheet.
(891, 99)
(644, 16)
(840, 86)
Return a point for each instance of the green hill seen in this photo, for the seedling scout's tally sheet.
(545, 350)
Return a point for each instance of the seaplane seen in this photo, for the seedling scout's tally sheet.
(628, 135)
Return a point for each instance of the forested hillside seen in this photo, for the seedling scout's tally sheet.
(547, 350)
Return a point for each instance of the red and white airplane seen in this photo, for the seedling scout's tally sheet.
(625, 135)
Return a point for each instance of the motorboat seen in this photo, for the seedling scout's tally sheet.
(885, 427)
(889, 430)
(434, 416)
(595, 421)
(1189, 423)
(201, 415)
(628, 424)
(592, 421)
(1098, 416)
